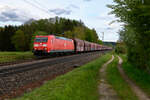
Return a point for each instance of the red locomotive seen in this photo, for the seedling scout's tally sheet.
(51, 44)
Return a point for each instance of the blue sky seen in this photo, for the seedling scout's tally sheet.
(93, 13)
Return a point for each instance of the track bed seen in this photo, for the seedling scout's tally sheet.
(20, 78)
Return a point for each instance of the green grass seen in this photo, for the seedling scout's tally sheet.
(118, 83)
(79, 84)
(140, 77)
(14, 56)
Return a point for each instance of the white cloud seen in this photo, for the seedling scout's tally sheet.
(108, 25)
(8, 13)
(60, 11)
(87, 0)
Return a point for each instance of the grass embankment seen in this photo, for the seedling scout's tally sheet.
(118, 83)
(14, 56)
(140, 77)
(79, 84)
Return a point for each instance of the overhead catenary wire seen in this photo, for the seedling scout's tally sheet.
(42, 6)
(34, 5)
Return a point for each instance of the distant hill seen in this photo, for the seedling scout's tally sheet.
(30, 21)
(110, 43)
(51, 20)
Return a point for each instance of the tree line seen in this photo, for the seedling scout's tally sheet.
(20, 38)
(136, 30)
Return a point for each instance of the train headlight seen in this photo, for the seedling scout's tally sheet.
(44, 45)
(36, 45)
(45, 48)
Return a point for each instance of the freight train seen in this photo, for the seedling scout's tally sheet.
(51, 44)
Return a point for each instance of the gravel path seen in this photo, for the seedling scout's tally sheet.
(140, 94)
(105, 90)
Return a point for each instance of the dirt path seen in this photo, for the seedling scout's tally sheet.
(105, 90)
(140, 94)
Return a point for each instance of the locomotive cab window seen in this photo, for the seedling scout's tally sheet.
(41, 39)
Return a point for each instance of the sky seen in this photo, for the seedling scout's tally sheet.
(94, 13)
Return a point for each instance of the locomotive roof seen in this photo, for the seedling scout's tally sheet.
(57, 37)
(63, 38)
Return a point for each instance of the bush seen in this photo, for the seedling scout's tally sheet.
(120, 48)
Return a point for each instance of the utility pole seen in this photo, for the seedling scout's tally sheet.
(102, 36)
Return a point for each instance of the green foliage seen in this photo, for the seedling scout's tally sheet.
(100, 42)
(136, 32)
(1, 28)
(69, 34)
(120, 48)
(79, 32)
(19, 40)
(89, 36)
(140, 77)
(5, 38)
(83, 33)
(80, 84)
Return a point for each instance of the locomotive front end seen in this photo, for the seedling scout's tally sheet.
(41, 46)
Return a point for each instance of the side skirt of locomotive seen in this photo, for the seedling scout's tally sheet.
(53, 52)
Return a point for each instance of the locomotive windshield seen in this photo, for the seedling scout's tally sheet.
(41, 39)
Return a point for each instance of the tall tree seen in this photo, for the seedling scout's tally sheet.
(136, 33)
(5, 38)
(19, 40)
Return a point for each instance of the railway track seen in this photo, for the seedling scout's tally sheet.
(26, 67)
(30, 60)
(14, 77)
(34, 64)
(15, 62)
